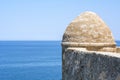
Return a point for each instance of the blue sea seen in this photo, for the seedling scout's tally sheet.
(30, 60)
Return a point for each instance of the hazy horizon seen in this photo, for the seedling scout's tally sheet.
(29, 20)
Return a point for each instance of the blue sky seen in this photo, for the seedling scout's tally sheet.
(48, 19)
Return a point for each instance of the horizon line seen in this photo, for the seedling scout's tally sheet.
(38, 40)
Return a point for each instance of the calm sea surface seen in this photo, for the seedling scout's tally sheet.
(31, 60)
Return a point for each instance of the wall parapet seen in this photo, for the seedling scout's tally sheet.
(89, 51)
(80, 64)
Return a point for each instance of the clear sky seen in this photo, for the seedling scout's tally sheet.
(48, 19)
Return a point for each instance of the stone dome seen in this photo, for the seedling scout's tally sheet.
(88, 28)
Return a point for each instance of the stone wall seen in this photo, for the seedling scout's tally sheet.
(80, 64)
(118, 49)
(89, 51)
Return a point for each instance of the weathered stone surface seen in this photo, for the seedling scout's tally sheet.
(88, 28)
(79, 64)
(118, 49)
(89, 51)
(89, 31)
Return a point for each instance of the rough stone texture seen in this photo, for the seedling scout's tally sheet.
(89, 31)
(79, 64)
(118, 49)
(86, 50)
(88, 28)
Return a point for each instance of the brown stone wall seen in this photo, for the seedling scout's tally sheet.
(118, 49)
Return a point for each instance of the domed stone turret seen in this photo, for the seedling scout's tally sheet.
(88, 30)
